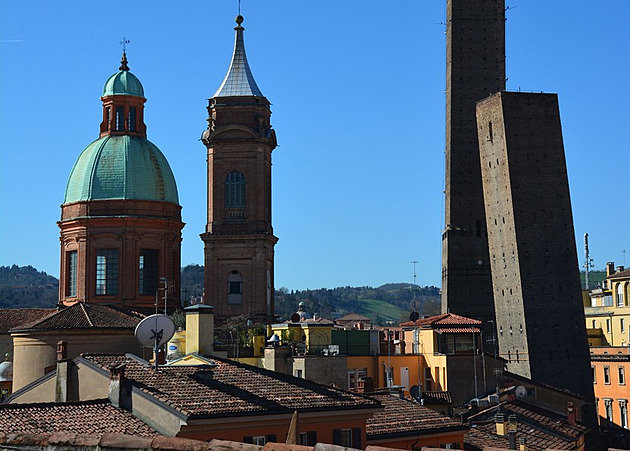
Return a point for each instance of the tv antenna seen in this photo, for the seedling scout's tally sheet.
(588, 261)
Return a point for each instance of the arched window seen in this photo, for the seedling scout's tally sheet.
(235, 190)
(235, 288)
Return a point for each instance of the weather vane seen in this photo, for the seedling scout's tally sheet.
(126, 41)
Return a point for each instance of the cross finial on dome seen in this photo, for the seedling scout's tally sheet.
(123, 61)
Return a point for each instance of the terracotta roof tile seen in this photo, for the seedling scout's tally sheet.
(10, 318)
(353, 317)
(442, 320)
(620, 274)
(85, 316)
(458, 330)
(230, 388)
(437, 397)
(86, 417)
(403, 417)
(542, 428)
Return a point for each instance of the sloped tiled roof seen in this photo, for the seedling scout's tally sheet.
(230, 388)
(85, 316)
(405, 417)
(620, 274)
(542, 428)
(353, 317)
(85, 417)
(446, 319)
(10, 318)
(437, 397)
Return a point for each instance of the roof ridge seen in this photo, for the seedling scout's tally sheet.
(85, 312)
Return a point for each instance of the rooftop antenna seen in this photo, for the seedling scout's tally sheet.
(588, 262)
(413, 287)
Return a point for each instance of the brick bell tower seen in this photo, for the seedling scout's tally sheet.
(120, 227)
(239, 241)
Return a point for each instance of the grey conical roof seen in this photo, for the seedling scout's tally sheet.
(239, 80)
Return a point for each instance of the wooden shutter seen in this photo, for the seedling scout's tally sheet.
(336, 436)
(356, 438)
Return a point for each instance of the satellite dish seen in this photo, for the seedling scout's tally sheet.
(414, 391)
(155, 327)
(414, 316)
(521, 391)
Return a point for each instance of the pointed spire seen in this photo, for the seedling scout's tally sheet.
(123, 62)
(239, 80)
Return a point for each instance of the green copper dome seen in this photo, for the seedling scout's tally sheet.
(121, 167)
(123, 82)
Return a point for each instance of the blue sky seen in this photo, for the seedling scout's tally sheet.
(357, 93)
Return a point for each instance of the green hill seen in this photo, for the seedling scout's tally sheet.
(24, 286)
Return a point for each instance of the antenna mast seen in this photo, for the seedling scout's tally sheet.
(588, 262)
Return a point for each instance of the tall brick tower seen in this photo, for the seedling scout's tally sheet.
(475, 68)
(538, 300)
(239, 240)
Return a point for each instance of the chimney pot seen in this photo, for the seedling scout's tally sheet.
(512, 423)
(512, 439)
(570, 413)
(499, 419)
(62, 350)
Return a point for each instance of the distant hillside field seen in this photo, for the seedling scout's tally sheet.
(22, 287)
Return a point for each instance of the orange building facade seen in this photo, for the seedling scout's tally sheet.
(611, 367)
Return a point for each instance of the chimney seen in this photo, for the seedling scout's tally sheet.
(610, 268)
(62, 350)
(512, 423)
(512, 439)
(500, 422)
(365, 385)
(199, 329)
(522, 443)
(118, 393)
(62, 383)
(570, 413)
(619, 269)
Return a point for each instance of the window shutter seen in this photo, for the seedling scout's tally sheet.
(311, 438)
(356, 438)
(336, 436)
